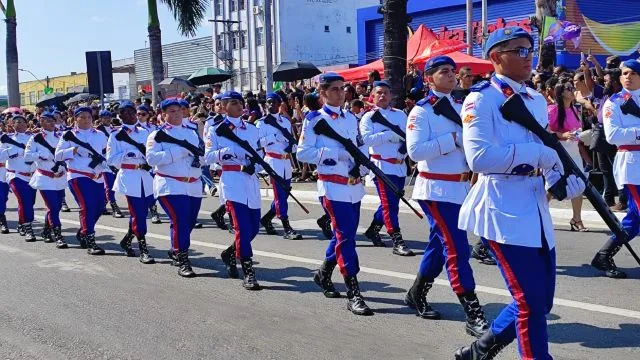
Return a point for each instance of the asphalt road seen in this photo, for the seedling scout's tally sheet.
(65, 304)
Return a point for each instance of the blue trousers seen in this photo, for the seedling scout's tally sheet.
(447, 245)
(53, 202)
(280, 198)
(530, 275)
(138, 210)
(109, 179)
(26, 196)
(90, 198)
(246, 223)
(4, 196)
(206, 174)
(631, 221)
(345, 217)
(183, 213)
(387, 212)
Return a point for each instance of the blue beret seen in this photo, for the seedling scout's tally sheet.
(434, 62)
(505, 34)
(231, 95)
(382, 83)
(169, 102)
(144, 108)
(329, 77)
(106, 113)
(82, 109)
(47, 114)
(126, 104)
(631, 64)
(274, 96)
(183, 103)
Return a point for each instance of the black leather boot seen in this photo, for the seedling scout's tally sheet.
(173, 257)
(399, 246)
(125, 244)
(373, 234)
(82, 240)
(155, 217)
(185, 269)
(4, 228)
(603, 260)
(65, 207)
(416, 298)
(485, 348)
(355, 302)
(249, 282)
(324, 222)
(115, 209)
(145, 258)
(476, 323)
(266, 222)
(218, 218)
(57, 234)
(28, 230)
(21, 230)
(482, 254)
(92, 247)
(322, 277)
(289, 233)
(231, 228)
(46, 232)
(229, 259)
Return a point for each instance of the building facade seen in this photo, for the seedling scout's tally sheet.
(32, 91)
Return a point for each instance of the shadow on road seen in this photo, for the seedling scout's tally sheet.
(595, 337)
(587, 271)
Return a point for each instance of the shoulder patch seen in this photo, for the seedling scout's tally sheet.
(616, 96)
(480, 86)
(312, 114)
(468, 118)
(422, 102)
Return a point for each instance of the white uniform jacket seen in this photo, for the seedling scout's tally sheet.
(274, 145)
(44, 178)
(17, 165)
(131, 179)
(235, 185)
(430, 143)
(383, 142)
(107, 131)
(503, 206)
(78, 164)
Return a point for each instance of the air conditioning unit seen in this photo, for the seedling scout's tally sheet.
(257, 10)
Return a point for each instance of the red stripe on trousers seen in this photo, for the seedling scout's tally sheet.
(134, 222)
(521, 302)
(633, 190)
(236, 227)
(46, 203)
(384, 202)
(452, 253)
(338, 235)
(276, 201)
(20, 203)
(82, 204)
(174, 222)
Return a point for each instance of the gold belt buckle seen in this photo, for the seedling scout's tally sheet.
(464, 176)
(352, 181)
(185, 179)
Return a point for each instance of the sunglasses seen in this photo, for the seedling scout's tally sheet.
(522, 52)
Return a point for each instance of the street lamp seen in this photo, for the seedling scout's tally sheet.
(35, 77)
(208, 48)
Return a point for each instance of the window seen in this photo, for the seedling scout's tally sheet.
(244, 76)
(235, 40)
(259, 35)
(326, 28)
(220, 42)
(260, 74)
(348, 29)
(241, 4)
(233, 6)
(217, 8)
(32, 98)
(243, 39)
(22, 98)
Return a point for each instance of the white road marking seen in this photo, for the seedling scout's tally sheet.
(395, 274)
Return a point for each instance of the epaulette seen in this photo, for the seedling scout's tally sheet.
(312, 114)
(422, 102)
(480, 86)
(617, 96)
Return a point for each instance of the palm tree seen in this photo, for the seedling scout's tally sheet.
(188, 13)
(13, 89)
(395, 47)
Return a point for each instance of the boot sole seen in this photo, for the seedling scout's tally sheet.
(607, 273)
(412, 305)
(65, 246)
(147, 262)
(253, 287)
(408, 254)
(360, 313)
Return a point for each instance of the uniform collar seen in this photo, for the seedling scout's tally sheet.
(130, 128)
(333, 111)
(441, 94)
(635, 93)
(236, 122)
(516, 86)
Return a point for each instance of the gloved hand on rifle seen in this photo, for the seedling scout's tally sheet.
(392, 137)
(79, 150)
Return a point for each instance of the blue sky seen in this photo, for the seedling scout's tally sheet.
(53, 35)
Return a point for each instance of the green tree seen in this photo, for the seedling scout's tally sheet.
(395, 47)
(188, 13)
(13, 89)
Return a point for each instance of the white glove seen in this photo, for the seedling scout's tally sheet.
(575, 187)
(549, 159)
(393, 137)
(82, 151)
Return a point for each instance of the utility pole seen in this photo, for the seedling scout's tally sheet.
(268, 56)
(469, 27)
(228, 58)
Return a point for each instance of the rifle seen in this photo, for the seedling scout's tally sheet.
(40, 140)
(323, 128)
(224, 131)
(123, 136)
(514, 110)
(443, 107)
(163, 137)
(270, 120)
(630, 107)
(96, 157)
(103, 129)
(378, 118)
(5, 139)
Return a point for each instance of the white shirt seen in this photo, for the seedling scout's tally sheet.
(384, 142)
(272, 141)
(505, 208)
(44, 160)
(315, 149)
(430, 143)
(81, 160)
(129, 182)
(174, 160)
(147, 125)
(16, 163)
(236, 186)
(621, 129)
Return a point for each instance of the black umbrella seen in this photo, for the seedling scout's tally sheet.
(52, 99)
(292, 71)
(80, 98)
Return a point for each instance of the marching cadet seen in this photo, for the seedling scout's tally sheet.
(142, 114)
(60, 127)
(238, 185)
(507, 206)
(19, 172)
(278, 155)
(176, 183)
(387, 151)
(133, 179)
(187, 122)
(434, 142)
(4, 187)
(84, 174)
(340, 193)
(109, 174)
(49, 178)
(621, 129)
(218, 215)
